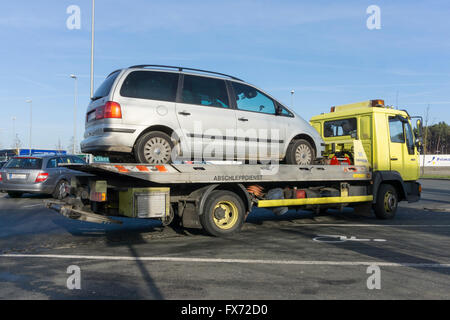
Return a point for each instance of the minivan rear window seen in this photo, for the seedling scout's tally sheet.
(24, 163)
(151, 85)
(106, 86)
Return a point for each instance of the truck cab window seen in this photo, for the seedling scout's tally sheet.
(396, 130)
(409, 139)
(340, 128)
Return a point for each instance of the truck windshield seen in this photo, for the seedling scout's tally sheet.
(106, 86)
(24, 163)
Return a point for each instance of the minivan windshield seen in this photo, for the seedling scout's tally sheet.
(106, 86)
(24, 163)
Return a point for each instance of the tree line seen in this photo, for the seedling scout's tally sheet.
(436, 138)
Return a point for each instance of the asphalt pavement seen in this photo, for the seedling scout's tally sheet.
(300, 255)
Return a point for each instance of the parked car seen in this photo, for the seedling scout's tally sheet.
(153, 114)
(2, 163)
(41, 175)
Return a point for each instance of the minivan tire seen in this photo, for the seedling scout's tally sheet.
(299, 146)
(154, 148)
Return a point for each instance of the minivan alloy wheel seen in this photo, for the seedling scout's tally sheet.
(300, 152)
(157, 150)
(303, 154)
(154, 148)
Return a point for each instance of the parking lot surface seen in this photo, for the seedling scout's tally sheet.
(297, 256)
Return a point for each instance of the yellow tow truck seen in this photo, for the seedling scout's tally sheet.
(371, 162)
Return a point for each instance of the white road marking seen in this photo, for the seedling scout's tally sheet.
(373, 225)
(34, 205)
(341, 239)
(236, 261)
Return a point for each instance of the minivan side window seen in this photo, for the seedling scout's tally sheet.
(205, 91)
(396, 130)
(106, 86)
(340, 128)
(251, 99)
(150, 85)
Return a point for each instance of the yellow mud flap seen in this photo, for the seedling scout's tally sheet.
(312, 201)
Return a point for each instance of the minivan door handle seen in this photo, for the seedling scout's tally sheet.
(243, 119)
(184, 113)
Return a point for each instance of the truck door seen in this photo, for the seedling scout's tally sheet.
(411, 156)
(397, 145)
(403, 156)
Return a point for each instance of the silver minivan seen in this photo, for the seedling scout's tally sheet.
(160, 114)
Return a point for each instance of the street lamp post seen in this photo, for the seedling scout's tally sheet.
(75, 113)
(292, 98)
(14, 132)
(31, 123)
(92, 48)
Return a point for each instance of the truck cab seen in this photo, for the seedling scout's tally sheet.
(390, 142)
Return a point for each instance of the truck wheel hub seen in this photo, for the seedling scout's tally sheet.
(225, 215)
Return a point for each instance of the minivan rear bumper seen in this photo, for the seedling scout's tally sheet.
(112, 142)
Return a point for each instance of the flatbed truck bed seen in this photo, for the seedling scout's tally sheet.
(218, 198)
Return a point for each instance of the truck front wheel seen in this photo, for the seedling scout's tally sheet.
(224, 213)
(387, 202)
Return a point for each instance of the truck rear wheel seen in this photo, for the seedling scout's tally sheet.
(387, 202)
(224, 213)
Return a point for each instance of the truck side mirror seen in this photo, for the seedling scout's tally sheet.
(419, 127)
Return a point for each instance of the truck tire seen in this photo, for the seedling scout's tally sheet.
(300, 152)
(154, 148)
(224, 213)
(387, 202)
(15, 195)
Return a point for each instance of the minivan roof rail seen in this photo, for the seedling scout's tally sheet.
(183, 68)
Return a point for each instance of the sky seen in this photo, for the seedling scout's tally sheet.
(322, 49)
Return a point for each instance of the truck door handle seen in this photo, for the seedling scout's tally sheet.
(184, 113)
(394, 159)
(243, 119)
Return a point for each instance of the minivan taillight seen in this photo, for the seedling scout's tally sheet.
(111, 110)
(42, 176)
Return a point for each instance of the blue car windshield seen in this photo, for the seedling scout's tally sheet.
(24, 163)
